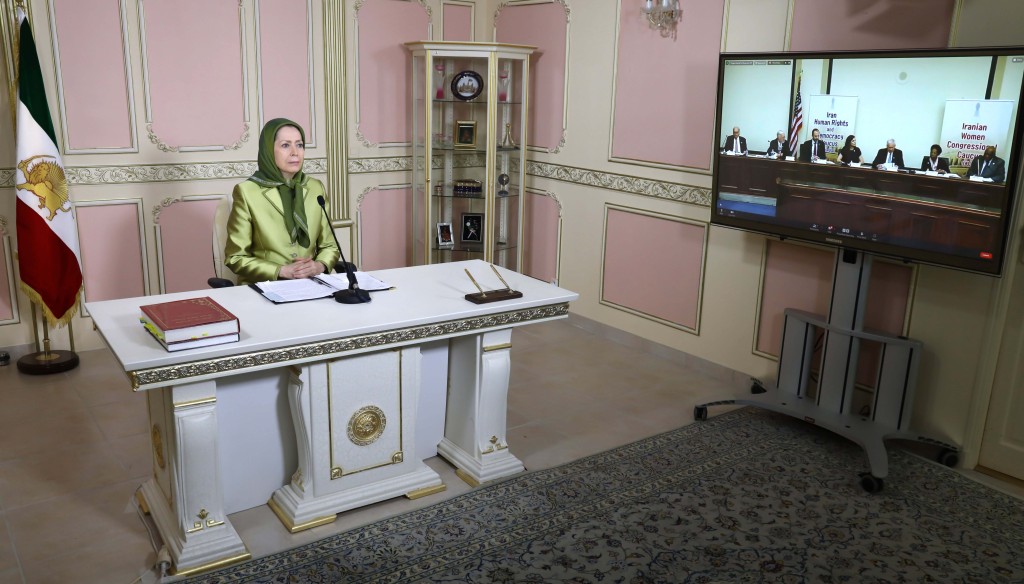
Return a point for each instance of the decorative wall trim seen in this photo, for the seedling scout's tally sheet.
(565, 86)
(129, 89)
(8, 265)
(558, 238)
(143, 246)
(243, 57)
(472, 16)
(147, 173)
(695, 330)
(404, 163)
(311, 131)
(335, 106)
(355, 48)
(210, 368)
(619, 182)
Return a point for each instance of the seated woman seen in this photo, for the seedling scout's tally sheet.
(850, 152)
(276, 229)
(933, 162)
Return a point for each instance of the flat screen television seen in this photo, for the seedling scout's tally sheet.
(891, 197)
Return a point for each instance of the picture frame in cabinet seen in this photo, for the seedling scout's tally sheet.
(444, 236)
(472, 227)
(465, 134)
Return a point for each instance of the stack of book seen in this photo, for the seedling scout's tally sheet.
(190, 323)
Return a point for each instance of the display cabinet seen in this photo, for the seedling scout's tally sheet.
(469, 112)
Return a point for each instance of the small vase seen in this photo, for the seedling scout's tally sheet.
(503, 83)
(439, 81)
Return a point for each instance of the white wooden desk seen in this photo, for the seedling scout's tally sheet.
(352, 374)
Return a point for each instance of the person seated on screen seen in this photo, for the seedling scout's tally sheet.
(933, 162)
(735, 143)
(779, 147)
(988, 165)
(276, 229)
(813, 149)
(850, 153)
(888, 155)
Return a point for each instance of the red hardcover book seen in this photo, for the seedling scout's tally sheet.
(189, 319)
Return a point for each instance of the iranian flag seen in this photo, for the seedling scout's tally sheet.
(48, 255)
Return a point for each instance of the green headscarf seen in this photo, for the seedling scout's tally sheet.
(269, 175)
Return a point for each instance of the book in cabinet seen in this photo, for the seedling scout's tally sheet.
(469, 113)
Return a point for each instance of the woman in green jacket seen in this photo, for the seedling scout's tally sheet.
(276, 229)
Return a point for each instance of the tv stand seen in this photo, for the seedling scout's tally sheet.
(816, 384)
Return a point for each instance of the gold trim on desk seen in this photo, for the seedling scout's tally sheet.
(497, 347)
(467, 478)
(425, 491)
(293, 528)
(212, 565)
(195, 402)
(210, 368)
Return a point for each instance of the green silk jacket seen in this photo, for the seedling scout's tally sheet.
(258, 243)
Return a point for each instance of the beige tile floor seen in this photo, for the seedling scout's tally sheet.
(74, 446)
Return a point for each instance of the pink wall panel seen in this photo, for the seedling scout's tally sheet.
(882, 24)
(186, 239)
(457, 22)
(111, 251)
(795, 276)
(667, 283)
(385, 228)
(385, 67)
(543, 26)
(194, 57)
(540, 256)
(284, 62)
(887, 305)
(6, 304)
(665, 88)
(92, 70)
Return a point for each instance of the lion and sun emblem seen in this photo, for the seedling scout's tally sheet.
(46, 180)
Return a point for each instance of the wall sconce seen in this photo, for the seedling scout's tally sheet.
(663, 15)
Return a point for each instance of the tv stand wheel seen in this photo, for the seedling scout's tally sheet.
(871, 483)
(700, 413)
(756, 387)
(948, 457)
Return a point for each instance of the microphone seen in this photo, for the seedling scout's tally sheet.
(354, 295)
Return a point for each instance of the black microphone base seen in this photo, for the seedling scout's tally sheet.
(356, 296)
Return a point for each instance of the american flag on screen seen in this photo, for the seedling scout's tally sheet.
(798, 119)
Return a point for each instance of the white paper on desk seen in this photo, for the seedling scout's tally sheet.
(977, 178)
(931, 173)
(822, 161)
(364, 280)
(855, 164)
(294, 290)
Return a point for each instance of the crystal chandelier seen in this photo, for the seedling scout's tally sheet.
(663, 15)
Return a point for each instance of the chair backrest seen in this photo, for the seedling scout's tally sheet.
(220, 240)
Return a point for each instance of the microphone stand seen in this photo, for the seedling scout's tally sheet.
(354, 295)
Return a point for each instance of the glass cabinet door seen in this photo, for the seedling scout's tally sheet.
(460, 137)
(420, 156)
(469, 163)
(510, 161)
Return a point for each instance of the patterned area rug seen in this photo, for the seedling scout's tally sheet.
(747, 496)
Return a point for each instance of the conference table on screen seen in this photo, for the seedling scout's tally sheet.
(322, 407)
(930, 209)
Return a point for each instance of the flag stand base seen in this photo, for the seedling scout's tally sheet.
(46, 363)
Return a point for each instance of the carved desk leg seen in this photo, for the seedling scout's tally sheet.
(185, 496)
(475, 423)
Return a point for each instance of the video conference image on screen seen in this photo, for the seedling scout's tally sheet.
(911, 155)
